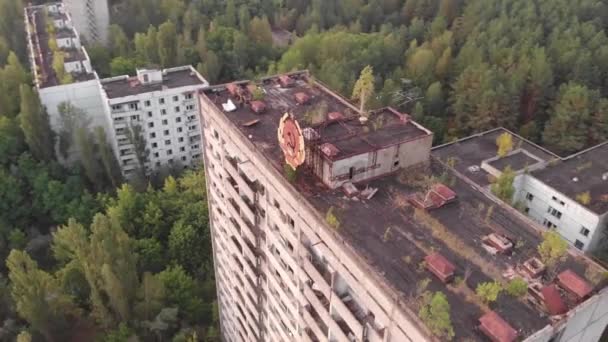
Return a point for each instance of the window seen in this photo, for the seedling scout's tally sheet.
(169, 152)
(146, 78)
(184, 158)
(179, 129)
(133, 106)
(584, 231)
(149, 114)
(527, 210)
(135, 117)
(157, 164)
(529, 196)
(396, 163)
(177, 109)
(161, 101)
(178, 120)
(147, 103)
(180, 139)
(170, 161)
(168, 142)
(165, 122)
(116, 107)
(120, 130)
(578, 244)
(163, 112)
(189, 96)
(189, 107)
(150, 124)
(152, 135)
(554, 212)
(549, 224)
(154, 145)
(182, 149)
(166, 132)
(194, 147)
(155, 154)
(175, 98)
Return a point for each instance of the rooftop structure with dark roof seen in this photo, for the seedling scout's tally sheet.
(123, 86)
(39, 19)
(583, 172)
(379, 217)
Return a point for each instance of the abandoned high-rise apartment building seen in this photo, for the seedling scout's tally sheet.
(351, 245)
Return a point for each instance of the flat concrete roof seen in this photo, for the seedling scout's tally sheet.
(385, 127)
(473, 150)
(130, 86)
(394, 237)
(586, 171)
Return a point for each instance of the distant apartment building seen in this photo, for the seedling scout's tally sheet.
(91, 19)
(52, 37)
(568, 194)
(163, 103)
(345, 248)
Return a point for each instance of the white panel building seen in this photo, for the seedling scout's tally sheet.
(163, 103)
(91, 18)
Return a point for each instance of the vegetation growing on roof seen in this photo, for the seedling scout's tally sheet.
(364, 88)
(435, 313)
(504, 142)
(553, 248)
(290, 173)
(503, 186)
(488, 291)
(584, 198)
(331, 218)
(258, 94)
(517, 287)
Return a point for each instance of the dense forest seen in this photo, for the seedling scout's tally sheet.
(90, 259)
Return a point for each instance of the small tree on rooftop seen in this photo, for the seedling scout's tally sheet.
(258, 94)
(435, 313)
(504, 142)
(584, 198)
(553, 248)
(332, 219)
(364, 88)
(517, 287)
(488, 291)
(503, 187)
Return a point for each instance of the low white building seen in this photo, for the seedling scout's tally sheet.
(568, 194)
(163, 104)
(91, 18)
(83, 90)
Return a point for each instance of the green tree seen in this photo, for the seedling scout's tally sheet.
(503, 187)
(260, 31)
(150, 296)
(11, 140)
(230, 14)
(211, 67)
(436, 315)
(88, 156)
(35, 125)
(167, 44)
(182, 292)
(38, 297)
(553, 248)
(364, 88)
(108, 159)
(504, 142)
(488, 291)
(123, 66)
(118, 41)
(13, 75)
(517, 287)
(184, 246)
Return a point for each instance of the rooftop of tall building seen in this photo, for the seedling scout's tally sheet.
(418, 230)
(150, 81)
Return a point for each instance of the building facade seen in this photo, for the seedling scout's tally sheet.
(338, 251)
(91, 19)
(161, 106)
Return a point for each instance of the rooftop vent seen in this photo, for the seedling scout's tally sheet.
(605, 176)
(574, 285)
(533, 267)
(329, 150)
(437, 197)
(575, 179)
(334, 116)
(229, 106)
(496, 243)
(553, 300)
(350, 189)
(474, 168)
(258, 106)
(310, 133)
(496, 328)
(302, 98)
(286, 81)
(440, 266)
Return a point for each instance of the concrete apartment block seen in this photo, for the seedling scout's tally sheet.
(91, 19)
(345, 250)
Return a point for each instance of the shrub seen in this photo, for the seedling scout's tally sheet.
(436, 315)
(553, 248)
(331, 218)
(488, 291)
(504, 142)
(584, 198)
(290, 173)
(517, 287)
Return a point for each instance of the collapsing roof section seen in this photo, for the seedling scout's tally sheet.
(389, 233)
